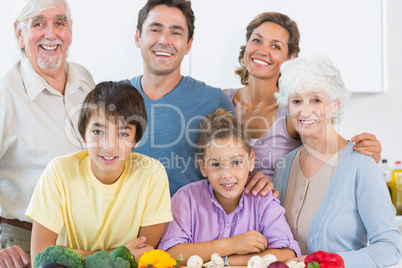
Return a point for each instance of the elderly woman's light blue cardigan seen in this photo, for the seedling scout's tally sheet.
(356, 210)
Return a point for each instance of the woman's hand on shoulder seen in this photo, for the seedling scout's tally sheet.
(260, 184)
(367, 144)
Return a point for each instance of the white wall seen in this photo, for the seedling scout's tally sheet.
(381, 114)
(103, 41)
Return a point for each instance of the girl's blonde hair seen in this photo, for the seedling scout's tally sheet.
(221, 125)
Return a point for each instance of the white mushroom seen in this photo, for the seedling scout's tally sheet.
(217, 260)
(269, 258)
(194, 261)
(263, 264)
(294, 264)
(299, 264)
(253, 261)
(208, 264)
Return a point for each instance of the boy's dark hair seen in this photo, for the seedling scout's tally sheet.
(119, 100)
(183, 5)
(221, 125)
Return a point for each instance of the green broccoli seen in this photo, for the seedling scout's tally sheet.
(56, 254)
(105, 260)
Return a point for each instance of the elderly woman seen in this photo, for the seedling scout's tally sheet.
(336, 200)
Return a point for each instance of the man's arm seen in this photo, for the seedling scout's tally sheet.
(14, 257)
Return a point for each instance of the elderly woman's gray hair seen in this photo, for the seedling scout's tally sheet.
(310, 74)
(26, 9)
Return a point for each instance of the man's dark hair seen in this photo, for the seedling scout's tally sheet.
(183, 5)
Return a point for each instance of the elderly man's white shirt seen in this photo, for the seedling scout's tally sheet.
(37, 123)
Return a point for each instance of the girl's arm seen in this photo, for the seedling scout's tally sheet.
(282, 254)
(246, 243)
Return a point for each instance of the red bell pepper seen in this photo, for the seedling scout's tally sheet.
(324, 260)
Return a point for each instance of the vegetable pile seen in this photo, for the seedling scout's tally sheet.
(270, 261)
(120, 257)
(56, 254)
(104, 259)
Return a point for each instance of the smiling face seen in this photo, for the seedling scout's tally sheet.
(109, 146)
(163, 40)
(311, 113)
(227, 165)
(46, 38)
(266, 50)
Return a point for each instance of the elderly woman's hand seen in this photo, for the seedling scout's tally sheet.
(368, 144)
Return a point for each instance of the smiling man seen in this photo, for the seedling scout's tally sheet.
(35, 96)
(175, 104)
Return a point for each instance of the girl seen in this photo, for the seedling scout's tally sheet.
(214, 215)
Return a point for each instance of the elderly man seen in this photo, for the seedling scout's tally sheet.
(36, 95)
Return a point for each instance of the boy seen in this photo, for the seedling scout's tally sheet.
(106, 196)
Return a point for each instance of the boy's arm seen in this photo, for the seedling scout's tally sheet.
(41, 238)
(153, 233)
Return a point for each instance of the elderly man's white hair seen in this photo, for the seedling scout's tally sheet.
(26, 9)
(308, 74)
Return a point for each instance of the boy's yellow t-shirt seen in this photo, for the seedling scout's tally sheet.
(89, 215)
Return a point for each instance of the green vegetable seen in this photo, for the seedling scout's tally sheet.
(56, 254)
(124, 253)
(105, 260)
(313, 264)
